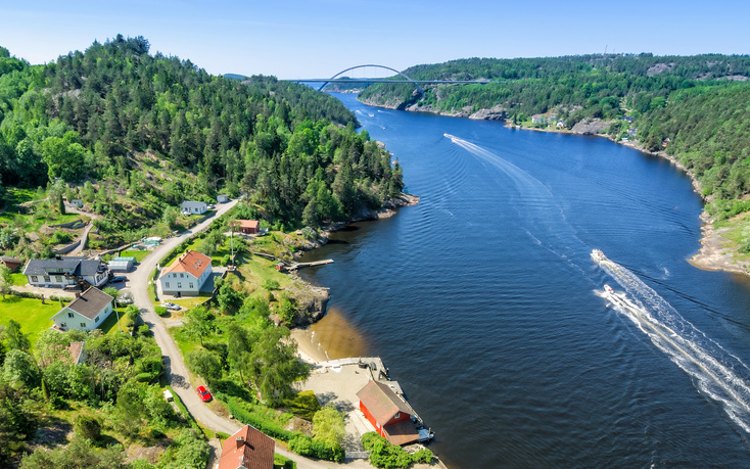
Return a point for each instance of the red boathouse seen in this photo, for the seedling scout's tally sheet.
(388, 413)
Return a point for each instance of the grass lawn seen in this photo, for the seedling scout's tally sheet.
(33, 316)
(189, 303)
(258, 271)
(18, 279)
(111, 325)
(138, 254)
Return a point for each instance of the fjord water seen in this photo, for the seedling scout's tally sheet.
(481, 300)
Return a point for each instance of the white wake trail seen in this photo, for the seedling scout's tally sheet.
(536, 204)
(716, 372)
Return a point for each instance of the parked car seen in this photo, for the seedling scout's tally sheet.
(118, 279)
(204, 394)
(172, 306)
(125, 299)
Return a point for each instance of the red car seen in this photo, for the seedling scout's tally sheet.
(204, 394)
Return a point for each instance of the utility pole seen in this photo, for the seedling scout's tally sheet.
(231, 239)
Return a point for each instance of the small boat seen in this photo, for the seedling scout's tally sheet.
(608, 289)
(597, 255)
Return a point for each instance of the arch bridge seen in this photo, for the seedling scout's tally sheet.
(404, 79)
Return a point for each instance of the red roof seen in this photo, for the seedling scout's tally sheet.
(192, 262)
(248, 224)
(382, 403)
(248, 448)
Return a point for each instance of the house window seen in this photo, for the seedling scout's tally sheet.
(182, 275)
(70, 315)
(83, 324)
(166, 284)
(191, 285)
(398, 414)
(58, 278)
(179, 284)
(46, 278)
(63, 325)
(34, 278)
(96, 319)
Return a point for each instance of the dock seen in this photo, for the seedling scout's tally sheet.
(340, 380)
(299, 265)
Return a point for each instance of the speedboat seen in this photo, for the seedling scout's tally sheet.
(597, 255)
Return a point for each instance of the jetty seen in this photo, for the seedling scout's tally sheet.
(299, 265)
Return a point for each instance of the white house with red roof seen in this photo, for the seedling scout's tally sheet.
(187, 274)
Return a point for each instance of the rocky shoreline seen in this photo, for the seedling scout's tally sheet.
(716, 253)
(315, 308)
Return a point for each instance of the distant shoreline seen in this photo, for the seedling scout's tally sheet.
(717, 253)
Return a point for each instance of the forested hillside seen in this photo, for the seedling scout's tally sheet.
(694, 108)
(133, 134)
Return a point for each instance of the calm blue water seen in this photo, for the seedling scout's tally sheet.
(481, 301)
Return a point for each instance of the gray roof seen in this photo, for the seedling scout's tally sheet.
(90, 303)
(72, 265)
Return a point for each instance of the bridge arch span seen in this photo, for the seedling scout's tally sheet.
(385, 67)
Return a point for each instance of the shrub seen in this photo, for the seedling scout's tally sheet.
(280, 462)
(302, 445)
(423, 455)
(387, 456)
(271, 285)
(88, 427)
(161, 311)
(260, 422)
(323, 450)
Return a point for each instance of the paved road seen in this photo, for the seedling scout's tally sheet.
(177, 372)
(176, 369)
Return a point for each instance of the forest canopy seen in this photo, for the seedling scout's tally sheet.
(148, 131)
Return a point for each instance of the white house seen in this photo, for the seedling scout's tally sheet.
(63, 271)
(192, 207)
(186, 275)
(87, 312)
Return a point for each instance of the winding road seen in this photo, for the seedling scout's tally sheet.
(177, 372)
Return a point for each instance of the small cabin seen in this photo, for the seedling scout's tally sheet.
(247, 226)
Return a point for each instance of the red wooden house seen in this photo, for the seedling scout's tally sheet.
(247, 226)
(388, 413)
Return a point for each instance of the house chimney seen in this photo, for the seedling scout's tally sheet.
(240, 441)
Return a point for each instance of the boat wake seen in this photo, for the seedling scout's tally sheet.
(716, 372)
(535, 204)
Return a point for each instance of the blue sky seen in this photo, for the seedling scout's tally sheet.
(317, 38)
